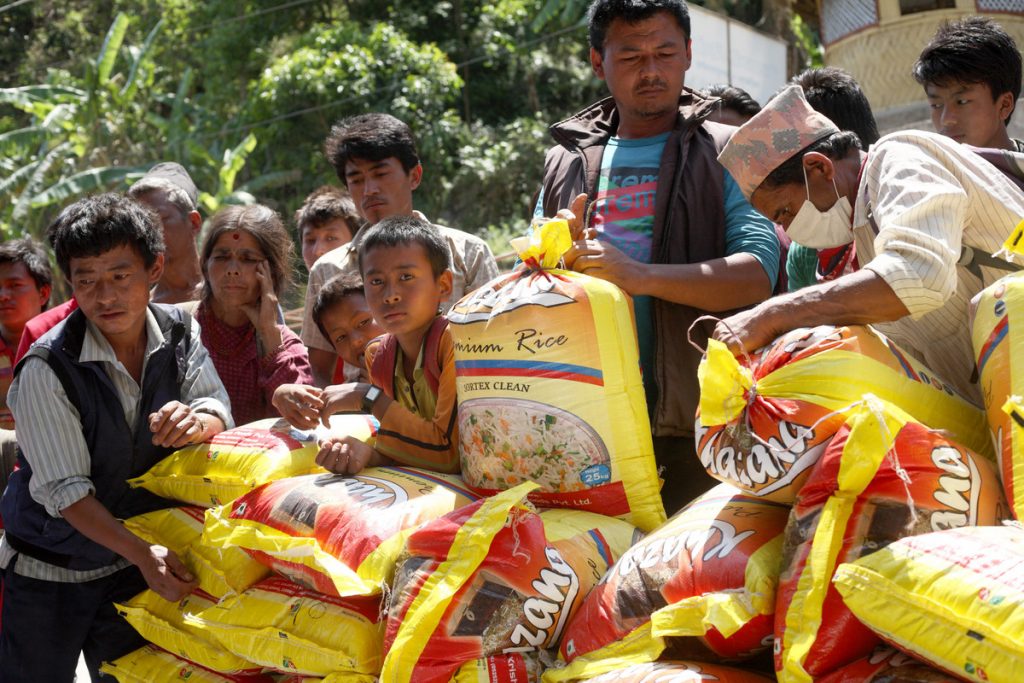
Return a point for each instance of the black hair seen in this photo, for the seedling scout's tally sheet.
(334, 291)
(266, 228)
(602, 13)
(373, 137)
(836, 146)
(29, 252)
(397, 231)
(836, 94)
(95, 225)
(737, 99)
(324, 205)
(972, 50)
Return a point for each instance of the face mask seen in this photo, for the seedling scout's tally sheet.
(822, 229)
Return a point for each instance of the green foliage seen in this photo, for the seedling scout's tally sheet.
(808, 41)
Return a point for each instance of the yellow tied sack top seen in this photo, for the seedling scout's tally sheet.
(546, 245)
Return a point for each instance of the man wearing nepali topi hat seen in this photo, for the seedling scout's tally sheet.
(910, 204)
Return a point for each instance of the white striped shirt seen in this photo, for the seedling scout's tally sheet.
(929, 195)
(50, 430)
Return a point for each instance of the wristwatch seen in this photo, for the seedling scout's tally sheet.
(369, 398)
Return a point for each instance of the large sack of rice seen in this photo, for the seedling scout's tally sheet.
(883, 477)
(283, 626)
(238, 460)
(702, 585)
(677, 672)
(954, 598)
(493, 577)
(765, 419)
(998, 337)
(887, 665)
(150, 664)
(338, 534)
(220, 571)
(548, 378)
(518, 667)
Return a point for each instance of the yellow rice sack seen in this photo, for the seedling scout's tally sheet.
(289, 628)
(548, 378)
(150, 664)
(953, 598)
(164, 623)
(518, 667)
(765, 418)
(220, 570)
(238, 460)
(679, 672)
(338, 534)
(997, 334)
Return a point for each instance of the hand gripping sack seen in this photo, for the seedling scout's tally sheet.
(548, 379)
(493, 577)
(883, 477)
(678, 672)
(220, 571)
(338, 534)
(886, 665)
(954, 598)
(702, 585)
(238, 460)
(283, 626)
(150, 664)
(764, 420)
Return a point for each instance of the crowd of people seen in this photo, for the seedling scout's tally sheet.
(687, 201)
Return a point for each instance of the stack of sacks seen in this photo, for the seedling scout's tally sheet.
(678, 672)
(700, 587)
(150, 664)
(548, 379)
(765, 419)
(887, 664)
(883, 477)
(493, 578)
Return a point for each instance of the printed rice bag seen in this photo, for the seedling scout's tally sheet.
(286, 627)
(338, 534)
(701, 586)
(678, 672)
(886, 665)
(548, 379)
(150, 664)
(765, 419)
(493, 577)
(238, 460)
(165, 624)
(998, 338)
(883, 477)
(518, 667)
(220, 571)
(954, 598)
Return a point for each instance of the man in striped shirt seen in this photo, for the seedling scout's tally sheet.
(910, 206)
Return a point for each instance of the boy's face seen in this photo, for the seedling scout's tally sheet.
(350, 327)
(381, 188)
(20, 298)
(112, 290)
(969, 114)
(401, 290)
(317, 241)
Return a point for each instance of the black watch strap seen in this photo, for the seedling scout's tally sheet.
(370, 398)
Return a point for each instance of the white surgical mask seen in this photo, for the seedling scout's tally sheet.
(818, 229)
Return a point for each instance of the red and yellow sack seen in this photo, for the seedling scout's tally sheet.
(519, 667)
(953, 598)
(765, 420)
(150, 664)
(286, 627)
(220, 571)
(998, 338)
(677, 672)
(166, 624)
(238, 460)
(338, 534)
(886, 664)
(883, 477)
(493, 577)
(548, 377)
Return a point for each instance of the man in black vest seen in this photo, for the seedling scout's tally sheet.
(98, 399)
(670, 227)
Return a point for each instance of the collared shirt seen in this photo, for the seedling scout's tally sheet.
(929, 195)
(6, 377)
(50, 430)
(473, 265)
(415, 396)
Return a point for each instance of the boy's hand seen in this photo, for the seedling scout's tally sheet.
(176, 425)
(166, 574)
(346, 455)
(299, 404)
(342, 398)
